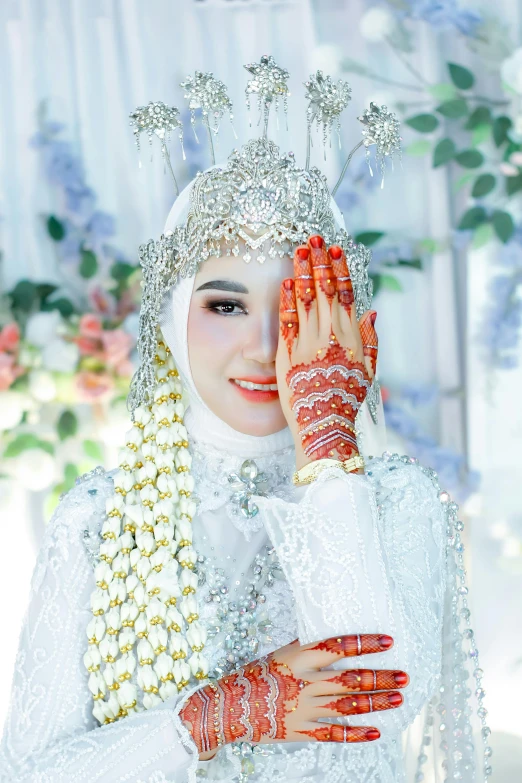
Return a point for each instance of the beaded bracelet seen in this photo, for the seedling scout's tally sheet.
(309, 472)
(218, 718)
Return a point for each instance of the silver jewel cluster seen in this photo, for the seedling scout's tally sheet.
(156, 119)
(381, 127)
(260, 196)
(326, 101)
(203, 91)
(248, 482)
(242, 620)
(269, 83)
(452, 706)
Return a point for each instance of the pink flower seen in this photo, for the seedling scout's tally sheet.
(9, 371)
(10, 337)
(94, 386)
(117, 345)
(90, 326)
(103, 302)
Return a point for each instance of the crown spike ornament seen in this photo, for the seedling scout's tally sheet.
(203, 91)
(326, 101)
(158, 119)
(269, 83)
(260, 202)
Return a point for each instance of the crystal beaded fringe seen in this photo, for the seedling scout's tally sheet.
(452, 704)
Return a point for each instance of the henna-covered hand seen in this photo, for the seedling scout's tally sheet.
(326, 359)
(279, 697)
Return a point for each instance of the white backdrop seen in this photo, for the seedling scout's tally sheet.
(96, 60)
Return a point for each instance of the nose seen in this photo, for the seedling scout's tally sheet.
(262, 337)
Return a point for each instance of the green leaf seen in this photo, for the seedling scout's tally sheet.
(503, 224)
(64, 306)
(470, 159)
(472, 218)
(463, 180)
(424, 123)
(442, 92)
(55, 228)
(460, 76)
(24, 296)
(45, 290)
(412, 263)
(453, 109)
(369, 238)
(428, 245)
(418, 148)
(513, 184)
(93, 450)
(479, 116)
(480, 134)
(443, 152)
(120, 271)
(67, 425)
(390, 283)
(483, 185)
(88, 264)
(70, 476)
(24, 441)
(482, 235)
(501, 126)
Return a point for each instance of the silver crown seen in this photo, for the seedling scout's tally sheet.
(260, 195)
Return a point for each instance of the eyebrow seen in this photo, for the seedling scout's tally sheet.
(224, 285)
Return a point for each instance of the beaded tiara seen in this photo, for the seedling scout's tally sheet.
(260, 197)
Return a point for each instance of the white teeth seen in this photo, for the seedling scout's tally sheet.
(259, 386)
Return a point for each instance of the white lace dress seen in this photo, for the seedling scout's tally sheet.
(348, 554)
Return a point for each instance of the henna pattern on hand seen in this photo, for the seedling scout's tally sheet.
(304, 281)
(369, 680)
(369, 337)
(352, 645)
(334, 733)
(326, 396)
(364, 703)
(322, 269)
(288, 314)
(342, 276)
(248, 704)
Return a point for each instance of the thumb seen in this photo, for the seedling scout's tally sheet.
(370, 341)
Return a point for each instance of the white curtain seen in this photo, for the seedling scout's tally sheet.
(94, 61)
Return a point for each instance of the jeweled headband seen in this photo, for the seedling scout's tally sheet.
(259, 195)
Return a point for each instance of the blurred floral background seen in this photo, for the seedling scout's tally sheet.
(77, 199)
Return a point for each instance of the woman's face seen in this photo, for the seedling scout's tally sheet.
(233, 331)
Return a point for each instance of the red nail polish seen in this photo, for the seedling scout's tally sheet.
(303, 253)
(373, 317)
(385, 641)
(401, 679)
(316, 241)
(373, 734)
(395, 699)
(335, 252)
(288, 284)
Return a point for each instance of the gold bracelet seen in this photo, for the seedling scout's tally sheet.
(309, 472)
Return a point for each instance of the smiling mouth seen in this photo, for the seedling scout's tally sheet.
(251, 386)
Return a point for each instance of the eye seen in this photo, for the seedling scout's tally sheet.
(226, 307)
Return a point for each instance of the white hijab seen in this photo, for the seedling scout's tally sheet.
(202, 424)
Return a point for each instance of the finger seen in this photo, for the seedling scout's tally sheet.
(343, 280)
(304, 288)
(324, 281)
(329, 650)
(334, 733)
(370, 341)
(358, 704)
(330, 683)
(289, 324)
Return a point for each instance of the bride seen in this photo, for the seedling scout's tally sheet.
(251, 595)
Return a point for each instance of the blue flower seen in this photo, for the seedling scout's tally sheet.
(443, 14)
(64, 168)
(101, 225)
